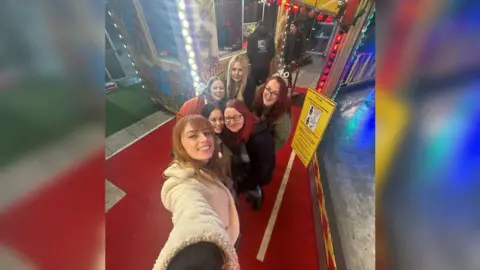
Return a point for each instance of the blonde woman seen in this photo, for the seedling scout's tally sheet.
(205, 219)
(240, 84)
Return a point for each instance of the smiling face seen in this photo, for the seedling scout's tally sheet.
(233, 119)
(198, 144)
(218, 90)
(271, 92)
(216, 119)
(237, 72)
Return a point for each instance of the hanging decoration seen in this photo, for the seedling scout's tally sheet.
(110, 13)
(329, 19)
(197, 85)
(320, 17)
(295, 8)
(363, 31)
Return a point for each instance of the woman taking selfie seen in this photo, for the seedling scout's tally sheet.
(214, 113)
(239, 84)
(253, 151)
(204, 216)
(214, 92)
(272, 106)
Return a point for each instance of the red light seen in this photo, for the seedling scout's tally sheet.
(295, 7)
(323, 78)
(320, 17)
(320, 86)
(335, 48)
(287, 4)
(326, 71)
(339, 38)
(329, 64)
(329, 19)
(332, 56)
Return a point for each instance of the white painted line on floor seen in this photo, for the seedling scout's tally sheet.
(276, 209)
(139, 138)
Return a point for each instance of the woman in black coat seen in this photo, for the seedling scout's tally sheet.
(253, 150)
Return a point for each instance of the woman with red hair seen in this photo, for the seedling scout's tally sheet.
(253, 151)
(272, 106)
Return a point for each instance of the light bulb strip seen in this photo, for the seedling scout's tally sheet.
(355, 51)
(129, 54)
(334, 49)
(281, 64)
(186, 33)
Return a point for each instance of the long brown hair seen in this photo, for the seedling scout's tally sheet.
(280, 107)
(214, 166)
(249, 120)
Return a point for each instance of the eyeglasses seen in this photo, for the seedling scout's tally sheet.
(269, 91)
(235, 118)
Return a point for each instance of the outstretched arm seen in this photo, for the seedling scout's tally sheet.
(194, 221)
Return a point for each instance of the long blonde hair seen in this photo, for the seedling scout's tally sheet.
(243, 60)
(214, 166)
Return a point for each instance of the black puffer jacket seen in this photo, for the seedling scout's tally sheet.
(253, 162)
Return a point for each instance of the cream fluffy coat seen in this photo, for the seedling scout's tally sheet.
(201, 211)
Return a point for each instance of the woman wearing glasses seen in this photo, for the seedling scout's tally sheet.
(253, 151)
(214, 92)
(272, 106)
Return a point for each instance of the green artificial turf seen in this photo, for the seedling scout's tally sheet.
(125, 106)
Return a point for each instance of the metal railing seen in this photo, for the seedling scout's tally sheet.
(362, 69)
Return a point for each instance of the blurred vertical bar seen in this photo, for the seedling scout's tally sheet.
(427, 129)
(52, 79)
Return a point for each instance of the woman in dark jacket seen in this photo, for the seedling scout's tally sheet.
(214, 113)
(272, 106)
(253, 151)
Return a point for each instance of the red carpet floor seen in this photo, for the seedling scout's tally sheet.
(138, 225)
(300, 90)
(61, 225)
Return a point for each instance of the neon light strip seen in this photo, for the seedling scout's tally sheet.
(189, 46)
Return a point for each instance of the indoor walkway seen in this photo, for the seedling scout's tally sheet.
(346, 161)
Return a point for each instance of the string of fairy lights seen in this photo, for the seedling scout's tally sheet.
(362, 38)
(111, 14)
(197, 85)
(281, 64)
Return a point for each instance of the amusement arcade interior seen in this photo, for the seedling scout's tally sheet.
(159, 53)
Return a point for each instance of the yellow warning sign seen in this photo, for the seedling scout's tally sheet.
(316, 113)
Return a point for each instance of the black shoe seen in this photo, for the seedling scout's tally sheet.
(258, 199)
